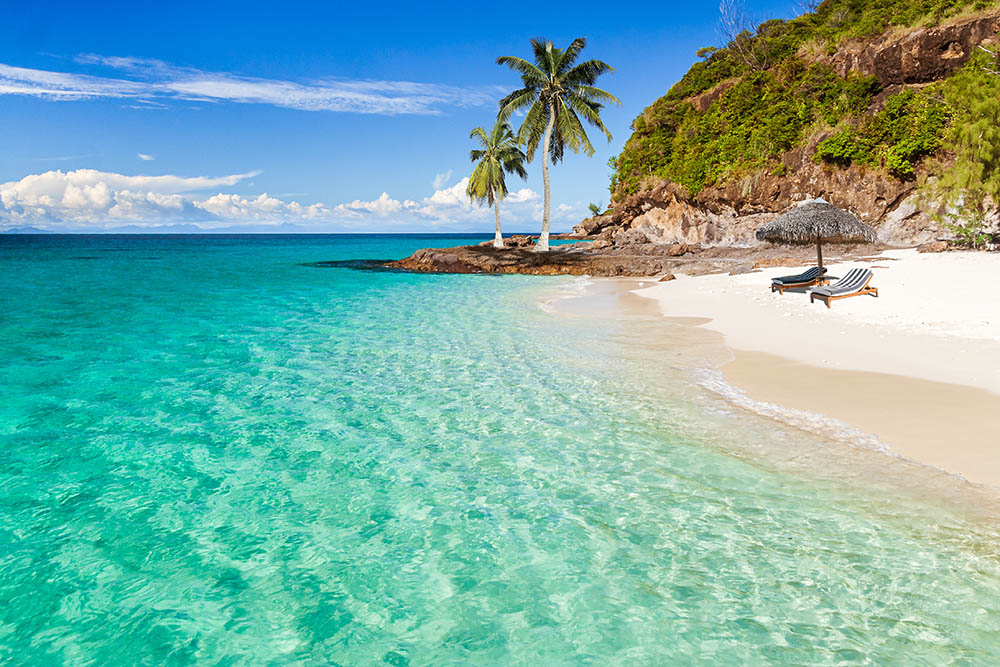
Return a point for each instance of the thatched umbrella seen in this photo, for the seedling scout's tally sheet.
(816, 221)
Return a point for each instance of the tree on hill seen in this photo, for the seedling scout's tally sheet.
(558, 95)
(968, 189)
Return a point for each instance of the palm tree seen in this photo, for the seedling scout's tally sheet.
(557, 95)
(500, 153)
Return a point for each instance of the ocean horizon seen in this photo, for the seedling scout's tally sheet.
(239, 448)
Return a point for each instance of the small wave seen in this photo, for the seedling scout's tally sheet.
(828, 427)
(573, 289)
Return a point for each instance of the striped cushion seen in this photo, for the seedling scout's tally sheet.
(806, 277)
(854, 281)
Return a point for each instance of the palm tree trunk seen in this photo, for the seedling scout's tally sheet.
(543, 240)
(498, 239)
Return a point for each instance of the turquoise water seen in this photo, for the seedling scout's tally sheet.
(211, 452)
(565, 241)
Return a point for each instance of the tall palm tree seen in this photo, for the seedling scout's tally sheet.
(499, 153)
(557, 95)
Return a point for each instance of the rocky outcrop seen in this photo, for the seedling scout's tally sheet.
(593, 226)
(642, 260)
(915, 56)
(566, 260)
(729, 215)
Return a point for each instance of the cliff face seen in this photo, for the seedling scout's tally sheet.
(915, 56)
(662, 212)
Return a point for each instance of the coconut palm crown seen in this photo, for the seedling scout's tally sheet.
(559, 96)
(500, 153)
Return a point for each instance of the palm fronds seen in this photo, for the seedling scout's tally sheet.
(499, 155)
(555, 82)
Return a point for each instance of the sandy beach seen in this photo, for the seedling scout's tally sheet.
(918, 367)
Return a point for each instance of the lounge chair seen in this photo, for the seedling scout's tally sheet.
(813, 276)
(854, 283)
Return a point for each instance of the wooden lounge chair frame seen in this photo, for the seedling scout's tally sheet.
(781, 287)
(827, 298)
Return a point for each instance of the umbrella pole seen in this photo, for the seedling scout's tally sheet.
(819, 254)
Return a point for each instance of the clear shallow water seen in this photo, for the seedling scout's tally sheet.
(212, 453)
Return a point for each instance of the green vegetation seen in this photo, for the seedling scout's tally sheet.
(970, 182)
(595, 209)
(967, 186)
(767, 92)
(499, 154)
(833, 22)
(968, 226)
(906, 130)
(755, 120)
(557, 95)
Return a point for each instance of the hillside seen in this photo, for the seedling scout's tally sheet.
(858, 102)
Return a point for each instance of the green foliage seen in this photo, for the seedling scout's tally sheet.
(838, 20)
(498, 156)
(595, 209)
(968, 227)
(557, 93)
(753, 121)
(832, 23)
(558, 96)
(971, 181)
(906, 130)
(725, 118)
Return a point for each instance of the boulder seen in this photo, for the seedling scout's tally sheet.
(933, 246)
(678, 249)
(592, 225)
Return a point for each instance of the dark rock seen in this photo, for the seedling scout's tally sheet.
(593, 225)
(518, 241)
(915, 56)
(678, 249)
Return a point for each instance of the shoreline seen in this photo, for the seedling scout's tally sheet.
(939, 424)
(919, 377)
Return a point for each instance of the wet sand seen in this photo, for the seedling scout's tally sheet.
(949, 426)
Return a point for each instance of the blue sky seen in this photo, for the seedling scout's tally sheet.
(323, 116)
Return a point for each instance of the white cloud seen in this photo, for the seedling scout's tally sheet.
(87, 199)
(143, 156)
(453, 196)
(382, 206)
(525, 195)
(152, 82)
(262, 207)
(440, 180)
(446, 207)
(91, 198)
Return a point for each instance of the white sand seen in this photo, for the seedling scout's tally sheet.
(937, 317)
(918, 367)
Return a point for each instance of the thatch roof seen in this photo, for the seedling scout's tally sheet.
(805, 221)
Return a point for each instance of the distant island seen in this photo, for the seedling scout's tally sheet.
(27, 230)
